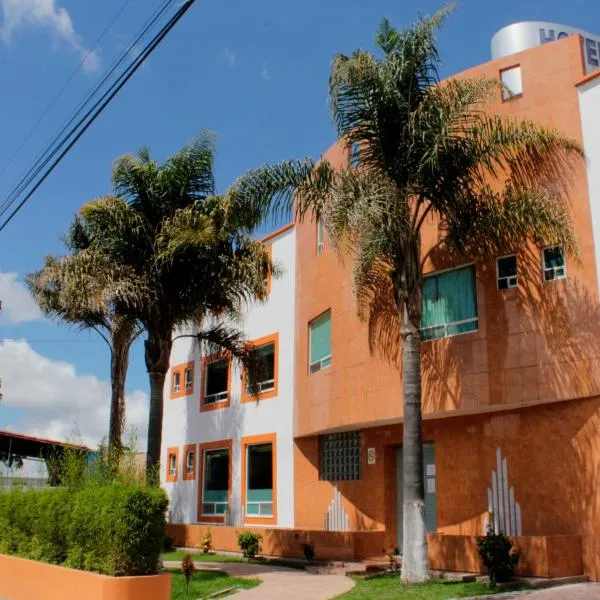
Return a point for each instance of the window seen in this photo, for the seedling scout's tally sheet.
(216, 381)
(320, 234)
(554, 263)
(512, 84)
(355, 154)
(172, 460)
(189, 378)
(259, 480)
(449, 304)
(189, 464)
(176, 381)
(182, 380)
(339, 456)
(320, 342)
(215, 485)
(506, 269)
(266, 353)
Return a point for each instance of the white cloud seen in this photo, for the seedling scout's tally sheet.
(265, 72)
(17, 304)
(46, 14)
(229, 56)
(57, 402)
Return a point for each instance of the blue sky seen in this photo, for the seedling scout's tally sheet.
(254, 72)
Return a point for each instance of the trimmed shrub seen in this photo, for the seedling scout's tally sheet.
(114, 529)
(250, 543)
(498, 556)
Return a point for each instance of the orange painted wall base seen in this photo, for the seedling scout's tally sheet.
(22, 579)
(329, 545)
(541, 555)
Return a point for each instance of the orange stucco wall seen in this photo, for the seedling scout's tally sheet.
(350, 545)
(553, 456)
(22, 579)
(535, 344)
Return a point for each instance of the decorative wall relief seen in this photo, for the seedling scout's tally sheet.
(336, 518)
(504, 510)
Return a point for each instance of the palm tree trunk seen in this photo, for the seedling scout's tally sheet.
(157, 354)
(119, 362)
(415, 560)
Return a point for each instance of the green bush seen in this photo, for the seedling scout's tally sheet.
(250, 543)
(498, 556)
(114, 529)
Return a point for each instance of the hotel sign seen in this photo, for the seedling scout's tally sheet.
(522, 36)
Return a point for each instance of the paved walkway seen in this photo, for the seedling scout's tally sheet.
(280, 583)
(580, 591)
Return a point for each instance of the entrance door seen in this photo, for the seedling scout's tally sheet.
(429, 476)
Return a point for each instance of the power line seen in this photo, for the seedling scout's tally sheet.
(46, 155)
(93, 113)
(64, 87)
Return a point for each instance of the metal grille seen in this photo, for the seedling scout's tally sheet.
(340, 456)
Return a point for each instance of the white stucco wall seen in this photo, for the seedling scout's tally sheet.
(589, 102)
(183, 423)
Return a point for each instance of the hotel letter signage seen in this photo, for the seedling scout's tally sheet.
(521, 36)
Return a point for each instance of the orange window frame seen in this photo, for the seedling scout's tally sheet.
(189, 476)
(263, 341)
(202, 449)
(268, 438)
(173, 451)
(216, 405)
(181, 369)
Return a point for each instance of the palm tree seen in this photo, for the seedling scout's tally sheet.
(74, 289)
(427, 148)
(186, 254)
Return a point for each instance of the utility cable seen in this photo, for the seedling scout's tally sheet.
(46, 155)
(99, 107)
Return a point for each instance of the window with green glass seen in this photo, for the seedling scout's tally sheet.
(554, 263)
(259, 484)
(320, 342)
(449, 304)
(215, 489)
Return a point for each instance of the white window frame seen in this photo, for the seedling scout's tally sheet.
(267, 385)
(214, 513)
(317, 363)
(172, 464)
(176, 386)
(320, 235)
(507, 94)
(188, 384)
(260, 515)
(219, 396)
(509, 286)
(544, 269)
(447, 325)
(189, 469)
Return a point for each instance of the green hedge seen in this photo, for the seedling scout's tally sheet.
(114, 529)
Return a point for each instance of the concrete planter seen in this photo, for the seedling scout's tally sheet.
(22, 579)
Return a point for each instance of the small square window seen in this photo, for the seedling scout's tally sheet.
(176, 381)
(189, 378)
(554, 263)
(355, 154)
(512, 83)
(507, 272)
(190, 461)
(320, 235)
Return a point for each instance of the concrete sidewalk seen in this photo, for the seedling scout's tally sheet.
(580, 591)
(279, 583)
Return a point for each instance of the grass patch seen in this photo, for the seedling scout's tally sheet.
(388, 587)
(200, 557)
(204, 583)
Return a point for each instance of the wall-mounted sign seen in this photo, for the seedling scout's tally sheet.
(371, 456)
(529, 34)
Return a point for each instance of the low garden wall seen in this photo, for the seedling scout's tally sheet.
(22, 579)
(328, 545)
(540, 555)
